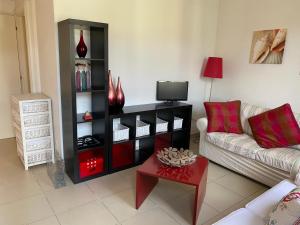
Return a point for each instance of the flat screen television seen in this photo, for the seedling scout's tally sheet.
(172, 91)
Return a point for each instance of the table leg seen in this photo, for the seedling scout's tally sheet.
(199, 197)
(144, 186)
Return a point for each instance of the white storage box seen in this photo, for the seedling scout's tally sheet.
(120, 132)
(177, 123)
(32, 120)
(161, 125)
(36, 120)
(31, 133)
(142, 128)
(35, 107)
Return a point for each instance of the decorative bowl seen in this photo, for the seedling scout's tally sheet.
(176, 158)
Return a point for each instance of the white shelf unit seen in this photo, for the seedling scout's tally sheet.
(32, 120)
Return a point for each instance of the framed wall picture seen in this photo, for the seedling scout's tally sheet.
(268, 46)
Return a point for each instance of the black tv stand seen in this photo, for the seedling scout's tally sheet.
(169, 103)
(178, 138)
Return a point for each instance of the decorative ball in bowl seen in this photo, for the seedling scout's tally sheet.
(176, 158)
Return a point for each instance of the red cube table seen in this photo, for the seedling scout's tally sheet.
(195, 174)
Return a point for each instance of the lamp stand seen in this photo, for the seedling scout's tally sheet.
(210, 90)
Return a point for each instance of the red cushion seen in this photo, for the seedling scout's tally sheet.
(224, 117)
(275, 128)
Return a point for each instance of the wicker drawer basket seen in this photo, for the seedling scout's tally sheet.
(31, 133)
(35, 107)
(161, 125)
(177, 123)
(120, 132)
(142, 128)
(32, 120)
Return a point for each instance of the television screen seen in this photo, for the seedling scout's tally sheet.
(171, 91)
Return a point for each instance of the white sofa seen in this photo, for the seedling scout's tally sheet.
(257, 211)
(241, 153)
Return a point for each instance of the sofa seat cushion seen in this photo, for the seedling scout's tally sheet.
(264, 203)
(280, 158)
(241, 144)
(241, 216)
(246, 146)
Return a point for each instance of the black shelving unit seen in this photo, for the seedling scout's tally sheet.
(112, 156)
(97, 95)
(154, 141)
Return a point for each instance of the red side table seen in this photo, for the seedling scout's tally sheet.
(152, 169)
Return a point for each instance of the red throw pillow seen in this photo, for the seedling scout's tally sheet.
(224, 117)
(276, 128)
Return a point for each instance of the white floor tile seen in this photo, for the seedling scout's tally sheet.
(122, 204)
(108, 185)
(152, 217)
(24, 188)
(215, 171)
(29, 198)
(166, 191)
(49, 221)
(66, 198)
(92, 213)
(181, 209)
(239, 184)
(25, 211)
(220, 197)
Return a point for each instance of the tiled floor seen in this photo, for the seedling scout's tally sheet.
(28, 198)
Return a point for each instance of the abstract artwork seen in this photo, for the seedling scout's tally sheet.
(268, 46)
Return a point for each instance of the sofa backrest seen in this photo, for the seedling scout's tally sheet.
(248, 110)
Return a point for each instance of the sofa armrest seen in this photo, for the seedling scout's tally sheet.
(295, 172)
(297, 179)
(202, 124)
(202, 127)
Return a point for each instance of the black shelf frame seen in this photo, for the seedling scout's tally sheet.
(99, 94)
(148, 113)
(102, 122)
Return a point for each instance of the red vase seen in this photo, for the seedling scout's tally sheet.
(81, 47)
(112, 96)
(120, 95)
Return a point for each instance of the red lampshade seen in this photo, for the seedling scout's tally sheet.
(214, 68)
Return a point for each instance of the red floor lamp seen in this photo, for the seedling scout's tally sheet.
(213, 69)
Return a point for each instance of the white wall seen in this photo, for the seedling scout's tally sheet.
(152, 40)
(267, 85)
(7, 7)
(46, 37)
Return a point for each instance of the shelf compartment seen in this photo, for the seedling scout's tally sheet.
(122, 154)
(142, 129)
(177, 125)
(91, 162)
(161, 125)
(163, 141)
(92, 91)
(96, 116)
(143, 149)
(166, 115)
(180, 140)
(120, 132)
(185, 115)
(88, 59)
(141, 156)
(89, 141)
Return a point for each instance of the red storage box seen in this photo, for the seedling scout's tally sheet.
(91, 162)
(162, 141)
(122, 154)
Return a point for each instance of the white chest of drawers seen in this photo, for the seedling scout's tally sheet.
(32, 120)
